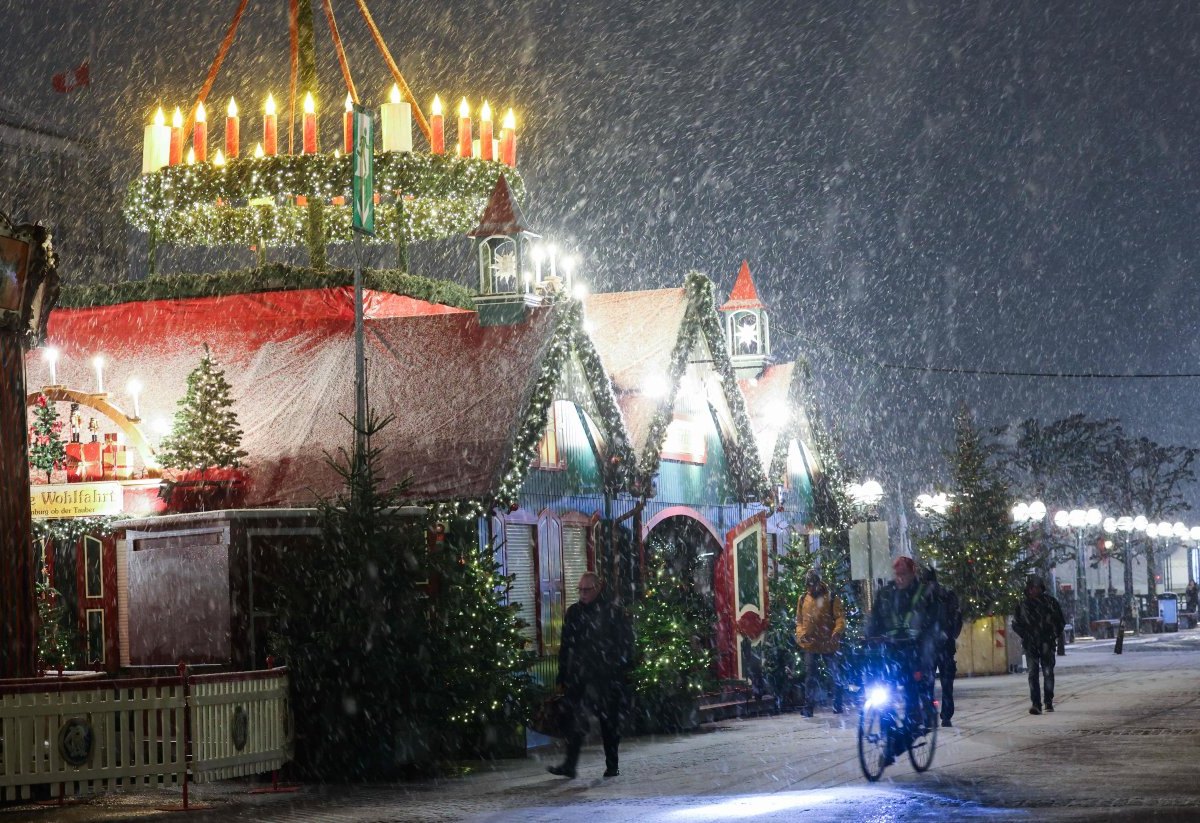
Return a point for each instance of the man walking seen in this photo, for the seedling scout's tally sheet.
(947, 623)
(820, 625)
(594, 659)
(1038, 621)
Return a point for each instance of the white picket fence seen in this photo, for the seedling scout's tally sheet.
(81, 735)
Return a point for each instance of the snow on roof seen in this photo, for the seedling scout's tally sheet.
(635, 333)
(457, 390)
(775, 407)
(744, 294)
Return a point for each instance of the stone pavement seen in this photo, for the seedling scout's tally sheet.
(1123, 745)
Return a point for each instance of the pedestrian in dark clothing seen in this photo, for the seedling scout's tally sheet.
(1191, 596)
(1038, 621)
(594, 660)
(947, 623)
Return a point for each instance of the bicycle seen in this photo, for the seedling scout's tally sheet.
(892, 680)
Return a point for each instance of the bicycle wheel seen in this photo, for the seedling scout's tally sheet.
(872, 743)
(924, 731)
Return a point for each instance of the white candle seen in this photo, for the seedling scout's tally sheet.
(396, 118)
(98, 364)
(50, 355)
(134, 387)
(156, 147)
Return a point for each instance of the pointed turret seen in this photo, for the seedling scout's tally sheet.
(501, 247)
(747, 332)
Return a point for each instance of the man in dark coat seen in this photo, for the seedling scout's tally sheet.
(595, 657)
(947, 623)
(1038, 621)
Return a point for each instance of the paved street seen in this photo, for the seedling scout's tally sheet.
(1124, 744)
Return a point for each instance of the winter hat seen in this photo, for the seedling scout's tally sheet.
(813, 578)
(905, 562)
(1035, 580)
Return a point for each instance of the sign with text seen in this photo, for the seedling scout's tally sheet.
(77, 500)
(870, 539)
(363, 181)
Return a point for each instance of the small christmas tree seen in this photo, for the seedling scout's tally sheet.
(47, 451)
(205, 434)
(56, 638)
(674, 623)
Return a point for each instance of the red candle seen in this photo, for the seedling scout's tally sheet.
(233, 130)
(485, 132)
(270, 129)
(175, 157)
(464, 129)
(348, 127)
(437, 127)
(508, 140)
(200, 134)
(310, 124)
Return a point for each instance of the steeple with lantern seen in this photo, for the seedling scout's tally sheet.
(747, 331)
(502, 244)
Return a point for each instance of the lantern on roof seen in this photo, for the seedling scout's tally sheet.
(746, 329)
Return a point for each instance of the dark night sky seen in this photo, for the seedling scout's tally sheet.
(957, 184)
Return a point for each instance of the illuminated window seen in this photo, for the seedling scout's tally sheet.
(549, 457)
(685, 442)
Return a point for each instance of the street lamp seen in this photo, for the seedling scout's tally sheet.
(1079, 519)
(1126, 525)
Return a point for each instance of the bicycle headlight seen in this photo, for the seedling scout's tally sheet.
(877, 697)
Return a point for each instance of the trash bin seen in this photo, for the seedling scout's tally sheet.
(1168, 610)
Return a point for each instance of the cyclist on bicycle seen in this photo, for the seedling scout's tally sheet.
(900, 614)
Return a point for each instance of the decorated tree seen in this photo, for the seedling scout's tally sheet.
(56, 644)
(978, 552)
(47, 451)
(674, 625)
(205, 433)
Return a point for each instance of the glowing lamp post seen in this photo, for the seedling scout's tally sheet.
(1078, 520)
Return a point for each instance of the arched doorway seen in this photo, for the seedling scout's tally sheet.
(691, 553)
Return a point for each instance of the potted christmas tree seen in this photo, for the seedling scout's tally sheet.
(203, 449)
(47, 451)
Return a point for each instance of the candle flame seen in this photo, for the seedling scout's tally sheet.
(337, 153)
(232, 110)
(98, 362)
(395, 95)
(485, 113)
(270, 110)
(258, 150)
(219, 159)
(510, 120)
(437, 106)
(463, 109)
(159, 118)
(191, 155)
(176, 119)
(310, 106)
(349, 102)
(201, 115)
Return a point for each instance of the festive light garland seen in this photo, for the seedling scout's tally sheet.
(251, 200)
(701, 318)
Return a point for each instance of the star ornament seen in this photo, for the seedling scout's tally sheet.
(747, 337)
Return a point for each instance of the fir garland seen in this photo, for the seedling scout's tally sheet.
(701, 318)
(203, 204)
(274, 277)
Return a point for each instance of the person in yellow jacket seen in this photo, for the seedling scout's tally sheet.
(820, 625)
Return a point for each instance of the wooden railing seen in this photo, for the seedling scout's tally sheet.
(87, 735)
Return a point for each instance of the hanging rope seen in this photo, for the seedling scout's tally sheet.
(399, 78)
(294, 31)
(341, 52)
(216, 64)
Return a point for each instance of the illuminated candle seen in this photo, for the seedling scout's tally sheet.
(50, 355)
(134, 387)
(200, 134)
(485, 132)
(156, 150)
(98, 365)
(348, 127)
(396, 119)
(176, 138)
(508, 140)
(219, 158)
(233, 130)
(270, 128)
(191, 155)
(258, 150)
(464, 129)
(437, 126)
(310, 124)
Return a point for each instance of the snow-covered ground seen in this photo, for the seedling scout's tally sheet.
(1123, 744)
